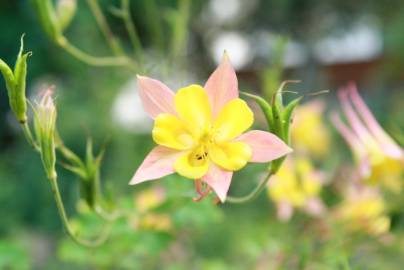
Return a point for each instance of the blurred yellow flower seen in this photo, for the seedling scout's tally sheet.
(309, 134)
(296, 185)
(364, 210)
(156, 222)
(145, 202)
(149, 199)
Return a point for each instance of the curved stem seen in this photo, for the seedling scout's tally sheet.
(29, 137)
(107, 216)
(93, 60)
(254, 193)
(62, 213)
(104, 27)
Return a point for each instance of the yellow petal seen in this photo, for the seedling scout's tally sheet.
(191, 166)
(230, 156)
(192, 105)
(171, 132)
(234, 118)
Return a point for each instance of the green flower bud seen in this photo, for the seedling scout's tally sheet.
(48, 18)
(45, 126)
(65, 11)
(15, 84)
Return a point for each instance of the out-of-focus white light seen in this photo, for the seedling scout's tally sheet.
(363, 42)
(294, 55)
(127, 110)
(225, 10)
(236, 45)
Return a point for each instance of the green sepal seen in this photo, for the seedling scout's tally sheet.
(7, 75)
(18, 99)
(15, 83)
(287, 116)
(90, 186)
(265, 108)
(277, 116)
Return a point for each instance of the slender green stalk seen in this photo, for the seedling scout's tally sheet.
(153, 16)
(62, 213)
(29, 137)
(130, 27)
(93, 60)
(107, 216)
(254, 193)
(104, 27)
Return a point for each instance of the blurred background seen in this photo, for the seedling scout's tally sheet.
(325, 44)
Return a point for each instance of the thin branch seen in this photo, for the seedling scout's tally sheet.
(94, 60)
(103, 236)
(253, 194)
(104, 27)
(29, 137)
(130, 27)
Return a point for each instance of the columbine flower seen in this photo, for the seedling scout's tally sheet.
(380, 159)
(296, 185)
(363, 209)
(45, 126)
(309, 134)
(199, 131)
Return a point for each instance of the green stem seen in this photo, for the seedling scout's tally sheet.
(93, 60)
(62, 213)
(153, 15)
(107, 216)
(130, 27)
(104, 27)
(254, 193)
(29, 137)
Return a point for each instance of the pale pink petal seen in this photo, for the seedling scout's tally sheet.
(222, 85)
(284, 211)
(158, 163)
(156, 97)
(389, 146)
(314, 206)
(265, 146)
(356, 145)
(364, 168)
(219, 180)
(349, 136)
(354, 120)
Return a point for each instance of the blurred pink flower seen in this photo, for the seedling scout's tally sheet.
(199, 132)
(380, 160)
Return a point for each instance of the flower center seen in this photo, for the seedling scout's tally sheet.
(201, 151)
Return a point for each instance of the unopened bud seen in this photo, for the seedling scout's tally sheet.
(45, 125)
(47, 17)
(65, 11)
(16, 83)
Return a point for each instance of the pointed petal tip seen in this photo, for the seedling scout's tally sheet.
(142, 77)
(288, 149)
(133, 182)
(225, 56)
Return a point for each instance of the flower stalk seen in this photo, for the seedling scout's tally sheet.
(279, 119)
